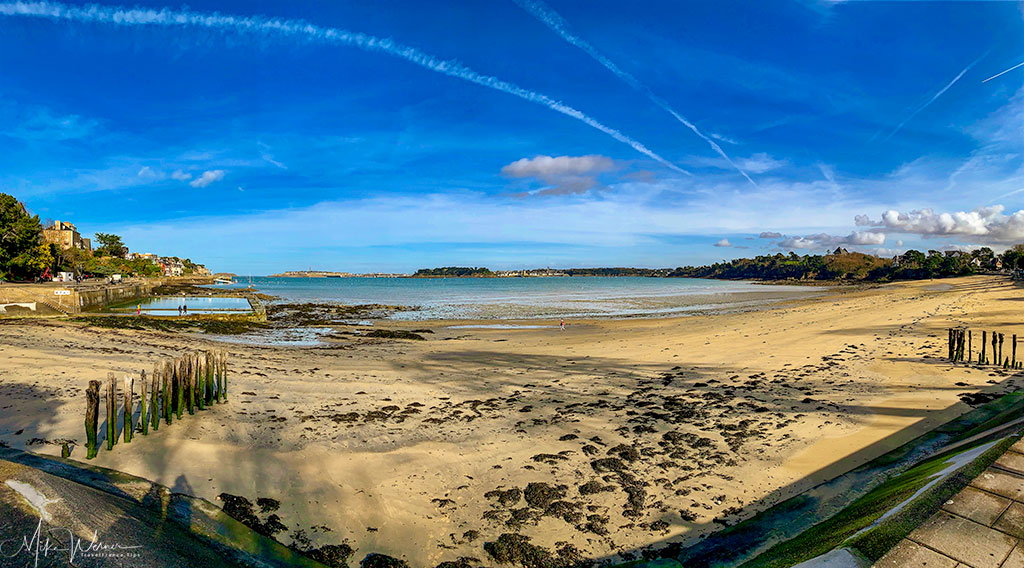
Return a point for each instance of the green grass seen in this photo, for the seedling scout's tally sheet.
(830, 534)
(875, 543)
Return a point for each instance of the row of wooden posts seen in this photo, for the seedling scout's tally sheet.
(961, 349)
(194, 381)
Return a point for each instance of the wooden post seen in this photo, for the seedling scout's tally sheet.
(154, 399)
(949, 343)
(970, 348)
(995, 356)
(180, 396)
(1013, 349)
(168, 378)
(224, 375)
(111, 415)
(129, 408)
(190, 399)
(65, 450)
(208, 377)
(143, 404)
(984, 347)
(1000, 348)
(92, 411)
(200, 392)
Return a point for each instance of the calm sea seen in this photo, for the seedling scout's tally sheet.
(530, 298)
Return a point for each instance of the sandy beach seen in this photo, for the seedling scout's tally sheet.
(599, 441)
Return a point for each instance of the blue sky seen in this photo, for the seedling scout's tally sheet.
(266, 136)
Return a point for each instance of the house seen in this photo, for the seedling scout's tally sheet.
(66, 236)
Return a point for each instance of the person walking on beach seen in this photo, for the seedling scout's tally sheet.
(561, 325)
(179, 311)
(185, 309)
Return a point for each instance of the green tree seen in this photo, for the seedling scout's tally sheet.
(110, 245)
(23, 255)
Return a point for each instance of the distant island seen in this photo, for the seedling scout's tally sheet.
(838, 265)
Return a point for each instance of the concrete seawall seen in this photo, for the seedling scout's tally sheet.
(55, 298)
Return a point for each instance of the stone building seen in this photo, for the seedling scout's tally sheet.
(66, 236)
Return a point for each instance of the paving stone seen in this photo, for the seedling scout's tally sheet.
(977, 505)
(1016, 558)
(1018, 446)
(1012, 521)
(1001, 483)
(1012, 461)
(909, 554)
(964, 540)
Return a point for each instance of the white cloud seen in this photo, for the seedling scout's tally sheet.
(984, 224)
(547, 166)
(147, 172)
(565, 174)
(760, 163)
(770, 235)
(723, 243)
(208, 177)
(181, 176)
(824, 240)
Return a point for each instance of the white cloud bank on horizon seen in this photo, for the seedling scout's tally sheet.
(723, 243)
(984, 225)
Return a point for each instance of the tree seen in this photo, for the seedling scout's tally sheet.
(23, 255)
(985, 257)
(110, 245)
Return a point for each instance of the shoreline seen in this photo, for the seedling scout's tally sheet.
(403, 436)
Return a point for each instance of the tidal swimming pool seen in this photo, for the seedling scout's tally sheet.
(168, 305)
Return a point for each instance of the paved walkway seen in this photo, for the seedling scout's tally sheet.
(980, 527)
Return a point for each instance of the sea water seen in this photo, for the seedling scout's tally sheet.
(529, 298)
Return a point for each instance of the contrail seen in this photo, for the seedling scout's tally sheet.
(1004, 72)
(310, 32)
(557, 23)
(936, 96)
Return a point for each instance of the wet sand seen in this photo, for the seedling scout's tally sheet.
(604, 439)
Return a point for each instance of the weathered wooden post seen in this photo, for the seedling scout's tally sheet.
(1013, 349)
(65, 450)
(995, 356)
(949, 343)
(111, 415)
(180, 397)
(154, 399)
(1000, 359)
(143, 404)
(961, 345)
(208, 377)
(92, 411)
(218, 376)
(223, 375)
(197, 372)
(984, 347)
(189, 394)
(129, 408)
(166, 400)
(970, 348)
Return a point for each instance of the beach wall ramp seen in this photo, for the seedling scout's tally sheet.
(57, 512)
